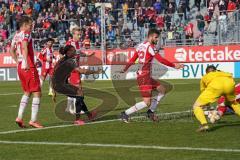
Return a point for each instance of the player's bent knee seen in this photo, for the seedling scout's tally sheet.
(37, 94)
(196, 104)
(147, 102)
(161, 89)
(27, 94)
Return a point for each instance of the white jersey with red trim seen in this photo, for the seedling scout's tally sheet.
(75, 44)
(46, 56)
(146, 54)
(17, 42)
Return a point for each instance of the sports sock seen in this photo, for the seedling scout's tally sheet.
(198, 112)
(155, 101)
(70, 102)
(236, 108)
(84, 107)
(138, 106)
(35, 108)
(22, 106)
(78, 105)
(50, 89)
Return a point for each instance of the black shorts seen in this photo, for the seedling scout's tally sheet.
(62, 71)
(66, 89)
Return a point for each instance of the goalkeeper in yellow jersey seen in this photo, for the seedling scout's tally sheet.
(213, 85)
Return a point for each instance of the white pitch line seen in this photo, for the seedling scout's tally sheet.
(9, 94)
(122, 146)
(52, 127)
(13, 93)
(88, 123)
(12, 106)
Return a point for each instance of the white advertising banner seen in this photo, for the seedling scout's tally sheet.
(111, 72)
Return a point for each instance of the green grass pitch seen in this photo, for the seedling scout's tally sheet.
(138, 140)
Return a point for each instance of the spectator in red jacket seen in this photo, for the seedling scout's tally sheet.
(231, 6)
(46, 24)
(1, 18)
(189, 32)
(160, 21)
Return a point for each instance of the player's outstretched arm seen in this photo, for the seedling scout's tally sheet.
(82, 54)
(168, 63)
(164, 61)
(131, 62)
(87, 71)
(178, 66)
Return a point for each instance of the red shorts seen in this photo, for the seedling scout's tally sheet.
(45, 72)
(146, 84)
(29, 79)
(74, 78)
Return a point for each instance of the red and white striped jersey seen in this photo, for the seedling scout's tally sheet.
(75, 44)
(17, 43)
(145, 54)
(46, 56)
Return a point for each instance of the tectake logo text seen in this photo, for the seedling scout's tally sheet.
(180, 55)
(207, 54)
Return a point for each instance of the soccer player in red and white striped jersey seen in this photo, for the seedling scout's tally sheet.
(145, 54)
(46, 56)
(22, 52)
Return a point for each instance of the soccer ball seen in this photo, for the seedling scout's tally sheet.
(213, 116)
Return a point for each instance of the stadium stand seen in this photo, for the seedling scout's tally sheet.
(182, 22)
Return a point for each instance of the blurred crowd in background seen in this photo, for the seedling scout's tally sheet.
(127, 21)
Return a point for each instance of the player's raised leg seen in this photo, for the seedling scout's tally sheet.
(137, 107)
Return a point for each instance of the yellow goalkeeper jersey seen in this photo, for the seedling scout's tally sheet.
(217, 77)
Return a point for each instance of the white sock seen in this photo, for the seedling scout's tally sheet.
(50, 89)
(35, 108)
(155, 101)
(22, 106)
(70, 102)
(138, 106)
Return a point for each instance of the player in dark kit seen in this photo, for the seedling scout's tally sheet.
(61, 74)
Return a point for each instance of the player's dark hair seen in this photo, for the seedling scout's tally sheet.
(211, 68)
(23, 20)
(153, 31)
(64, 50)
(50, 39)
